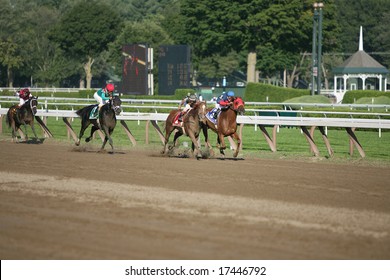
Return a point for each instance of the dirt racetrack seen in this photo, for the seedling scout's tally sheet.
(58, 202)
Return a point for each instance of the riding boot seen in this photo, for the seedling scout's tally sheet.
(216, 113)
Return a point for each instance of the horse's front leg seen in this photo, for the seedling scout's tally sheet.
(25, 131)
(221, 143)
(104, 143)
(33, 130)
(195, 145)
(93, 129)
(237, 138)
(108, 138)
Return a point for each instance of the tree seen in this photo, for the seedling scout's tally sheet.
(9, 58)
(219, 27)
(85, 31)
(382, 39)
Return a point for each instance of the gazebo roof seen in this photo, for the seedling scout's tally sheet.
(360, 63)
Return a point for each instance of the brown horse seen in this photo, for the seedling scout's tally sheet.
(226, 125)
(22, 116)
(191, 127)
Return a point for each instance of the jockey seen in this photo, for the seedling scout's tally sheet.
(188, 102)
(185, 100)
(223, 101)
(24, 95)
(103, 95)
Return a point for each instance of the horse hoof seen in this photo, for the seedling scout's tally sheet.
(87, 139)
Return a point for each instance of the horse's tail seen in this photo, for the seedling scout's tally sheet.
(8, 119)
(9, 116)
(84, 111)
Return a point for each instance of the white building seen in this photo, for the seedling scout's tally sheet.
(359, 72)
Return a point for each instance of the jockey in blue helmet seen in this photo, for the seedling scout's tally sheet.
(223, 101)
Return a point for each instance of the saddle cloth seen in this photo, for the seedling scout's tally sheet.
(210, 115)
(176, 121)
(94, 114)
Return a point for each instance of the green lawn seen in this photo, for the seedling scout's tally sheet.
(291, 143)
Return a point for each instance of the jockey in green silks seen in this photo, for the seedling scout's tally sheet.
(104, 94)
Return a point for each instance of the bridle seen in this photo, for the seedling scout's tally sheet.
(116, 107)
(33, 104)
(237, 110)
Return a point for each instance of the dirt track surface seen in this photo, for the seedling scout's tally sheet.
(64, 203)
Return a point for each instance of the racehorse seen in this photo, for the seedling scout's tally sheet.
(226, 125)
(191, 127)
(107, 120)
(22, 116)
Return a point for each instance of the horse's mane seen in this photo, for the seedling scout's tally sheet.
(195, 108)
(26, 104)
(198, 103)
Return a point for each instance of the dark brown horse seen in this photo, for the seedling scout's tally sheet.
(191, 127)
(226, 125)
(22, 116)
(107, 120)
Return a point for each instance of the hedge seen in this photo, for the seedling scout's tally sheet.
(352, 96)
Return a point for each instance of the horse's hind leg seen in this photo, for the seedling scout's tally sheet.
(168, 132)
(14, 135)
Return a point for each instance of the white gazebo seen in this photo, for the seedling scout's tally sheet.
(354, 73)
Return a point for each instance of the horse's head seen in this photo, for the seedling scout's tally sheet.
(33, 104)
(116, 103)
(202, 110)
(239, 105)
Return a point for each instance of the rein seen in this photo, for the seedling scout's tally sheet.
(116, 108)
(33, 105)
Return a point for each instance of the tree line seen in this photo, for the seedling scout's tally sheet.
(72, 43)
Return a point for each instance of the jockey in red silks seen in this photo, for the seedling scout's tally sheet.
(24, 95)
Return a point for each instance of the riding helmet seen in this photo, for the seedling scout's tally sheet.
(230, 93)
(192, 97)
(110, 87)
